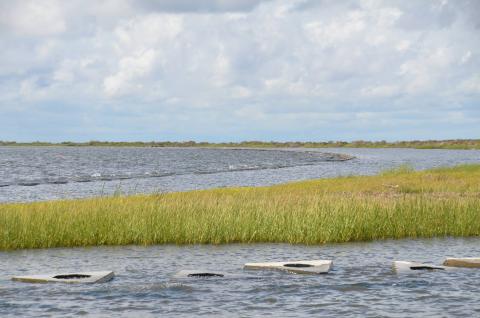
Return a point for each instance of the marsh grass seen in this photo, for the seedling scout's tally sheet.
(402, 169)
(395, 204)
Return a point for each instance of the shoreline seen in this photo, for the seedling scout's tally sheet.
(457, 144)
(395, 204)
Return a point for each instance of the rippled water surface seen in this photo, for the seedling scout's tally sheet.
(361, 283)
(42, 173)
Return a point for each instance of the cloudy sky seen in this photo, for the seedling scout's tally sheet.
(231, 70)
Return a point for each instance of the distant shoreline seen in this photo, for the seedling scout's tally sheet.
(416, 144)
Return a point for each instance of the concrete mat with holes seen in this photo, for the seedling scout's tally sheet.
(72, 277)
(407, 266)
(300, 267)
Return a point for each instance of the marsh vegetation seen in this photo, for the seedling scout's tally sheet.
(417, 144)
(394, 204)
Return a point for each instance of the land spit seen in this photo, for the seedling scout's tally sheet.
(395, 204)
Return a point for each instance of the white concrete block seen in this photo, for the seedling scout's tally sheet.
(71, 277)
(300, 267)
(470, 262)
(405, 266)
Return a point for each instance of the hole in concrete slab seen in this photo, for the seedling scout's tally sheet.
(205, 275)
(428, 268)
(297, 265)
(71, 276)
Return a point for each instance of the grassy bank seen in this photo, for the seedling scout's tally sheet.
(418, 144)
(396, 204)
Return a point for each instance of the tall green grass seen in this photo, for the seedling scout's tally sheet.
(404, 203)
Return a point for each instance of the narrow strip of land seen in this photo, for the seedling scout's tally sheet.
(417, 144)
(396, 204)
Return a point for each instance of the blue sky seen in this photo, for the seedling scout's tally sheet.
(217, 70)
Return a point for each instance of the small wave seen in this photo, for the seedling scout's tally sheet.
(83, 180)
(28, 183)
(124, 177)
(57, 181)
(336, 157)
(241, 167)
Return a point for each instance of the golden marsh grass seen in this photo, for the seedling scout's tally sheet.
(395, 204)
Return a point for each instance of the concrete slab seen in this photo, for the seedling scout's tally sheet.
(71, 277)
(406, 266)
(299, 267)
(469, 262)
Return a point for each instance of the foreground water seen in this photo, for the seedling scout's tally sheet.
(43, 173)
(362, 282)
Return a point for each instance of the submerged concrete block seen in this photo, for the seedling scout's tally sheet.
(300, 267)
(405, 266)
(72, 277)
(470, 262)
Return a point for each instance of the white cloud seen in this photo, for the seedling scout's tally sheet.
(147, 31)
(221, 68)
(380, 91)
(402, 45)
(131, 69)
(472, 84)
(33, 18)
(337, 31)
(241, 92)
(180, 6)
(466, 57)
(296, 62)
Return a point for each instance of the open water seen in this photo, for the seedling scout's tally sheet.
(361, 284)
(45, 173)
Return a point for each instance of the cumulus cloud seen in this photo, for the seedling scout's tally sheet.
(230, 70)
(182, 6)
(32, 18)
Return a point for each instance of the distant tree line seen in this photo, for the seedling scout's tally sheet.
(419, 144)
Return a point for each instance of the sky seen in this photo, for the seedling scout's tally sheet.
(233, 70)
